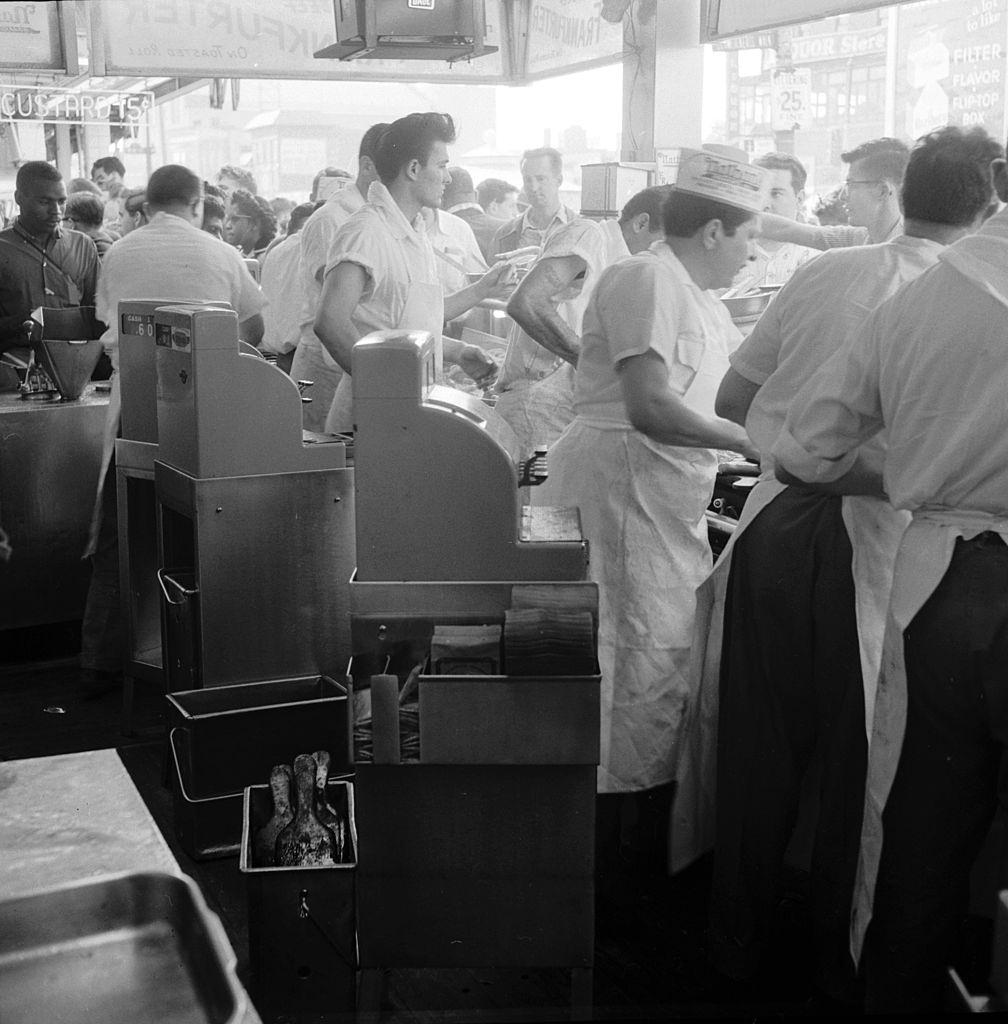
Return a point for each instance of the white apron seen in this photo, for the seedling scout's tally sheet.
(922, 561)
(539, 411)
(423, 310)
(875, 529)
(642, 509)
(312, 362)
(109, 433)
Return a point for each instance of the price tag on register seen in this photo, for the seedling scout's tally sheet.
(790, 96)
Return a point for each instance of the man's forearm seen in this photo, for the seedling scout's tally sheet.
(462, 301)
(338, 339)
(780, 229)
(859, 479)
(546, 327)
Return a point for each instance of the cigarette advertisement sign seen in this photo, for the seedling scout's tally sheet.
(951, 65)
(30, 37)
(255, 39)
(564, 35)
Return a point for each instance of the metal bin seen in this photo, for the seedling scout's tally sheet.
(302, 939)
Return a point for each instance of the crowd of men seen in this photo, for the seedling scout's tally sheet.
(855, 625)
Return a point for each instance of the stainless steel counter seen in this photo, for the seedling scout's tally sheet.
(49, 458)
(73, 817)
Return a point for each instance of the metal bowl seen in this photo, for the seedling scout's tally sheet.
(745, 306)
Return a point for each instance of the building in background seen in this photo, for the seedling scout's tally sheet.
(892, 71)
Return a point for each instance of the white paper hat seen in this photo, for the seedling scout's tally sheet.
(723, 178)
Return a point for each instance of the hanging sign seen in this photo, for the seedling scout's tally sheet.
(735, 17)
(89, 106)
(255, 39)
(32, 37)
(568, 35)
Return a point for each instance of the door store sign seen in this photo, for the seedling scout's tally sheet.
(951, 65)
(254, 39)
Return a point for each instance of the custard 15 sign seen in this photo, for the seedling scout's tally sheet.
(93, 106)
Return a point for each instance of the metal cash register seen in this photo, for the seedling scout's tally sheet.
(437, 494)
(259, 513)
(136, 450)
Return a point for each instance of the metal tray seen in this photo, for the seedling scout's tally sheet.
(237, 733)
(121, 949)
(206, 827)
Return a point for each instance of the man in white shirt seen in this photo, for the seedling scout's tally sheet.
(872, 195)
(172, 258)
(458, 255)
(775, 261)
(283, 288)
(638, 226)
(382, 272)
(928, 368)
(536, 382)
(810, 576)
(311, 361)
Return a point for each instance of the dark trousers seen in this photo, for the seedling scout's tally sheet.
(102, 627)
(790, 693)
(946, 788)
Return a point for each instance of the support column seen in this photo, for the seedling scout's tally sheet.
(97, 139)
(662, 77)
(64, 154)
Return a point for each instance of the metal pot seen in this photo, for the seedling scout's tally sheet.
(748, 306)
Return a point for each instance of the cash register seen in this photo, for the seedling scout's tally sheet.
(255, 517)
(136, 450)
(438, 495)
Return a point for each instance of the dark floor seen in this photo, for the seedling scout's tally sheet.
(649, 964)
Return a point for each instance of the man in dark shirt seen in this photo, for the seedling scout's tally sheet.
(459, 197)
(41, 264)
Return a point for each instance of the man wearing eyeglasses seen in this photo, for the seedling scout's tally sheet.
(871, 193)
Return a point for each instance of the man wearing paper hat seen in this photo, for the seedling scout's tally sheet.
(639, 460)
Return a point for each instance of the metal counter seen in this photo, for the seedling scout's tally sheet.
(73, 817)
(50, 453)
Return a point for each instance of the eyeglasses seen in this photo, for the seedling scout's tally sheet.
(861, 181)
(231, 218)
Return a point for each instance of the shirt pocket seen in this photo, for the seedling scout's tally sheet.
(687, 355)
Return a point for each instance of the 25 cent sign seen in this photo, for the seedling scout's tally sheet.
(790, 95)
